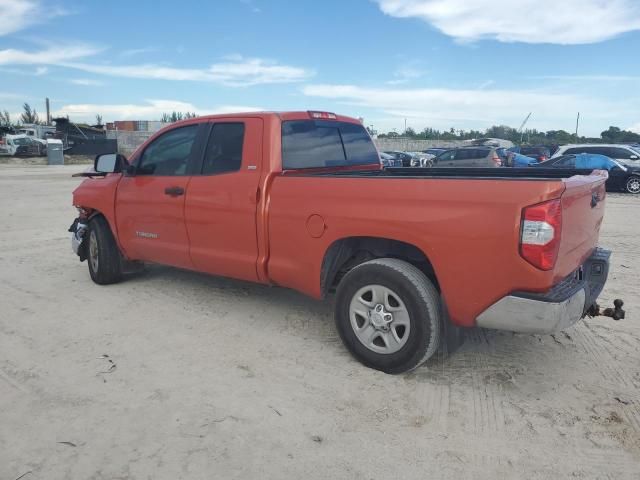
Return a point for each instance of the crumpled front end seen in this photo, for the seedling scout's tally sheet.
(78, 230)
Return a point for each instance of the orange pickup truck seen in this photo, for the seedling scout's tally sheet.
(299, 200)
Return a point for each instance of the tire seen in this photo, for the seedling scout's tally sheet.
(632, 185)
(412, 335)
(103, 255)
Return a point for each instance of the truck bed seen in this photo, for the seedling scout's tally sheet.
(452, 173)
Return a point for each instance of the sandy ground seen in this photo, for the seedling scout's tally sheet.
(213, 378)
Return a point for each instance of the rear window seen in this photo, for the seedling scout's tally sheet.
(574, 151)
(530, 150)
(470, 153)
(321, 143)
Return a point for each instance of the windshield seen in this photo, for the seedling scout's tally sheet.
(20, 141)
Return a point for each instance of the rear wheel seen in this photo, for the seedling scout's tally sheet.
(633, 184)
(103, 255)
(388, 314)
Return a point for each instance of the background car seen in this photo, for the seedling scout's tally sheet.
(622, 177)
(518, 160)
(434, 151)
(469, 157)
(404, 157)
(622, 153)
(389, 160)
(420, 159)
(541, 154)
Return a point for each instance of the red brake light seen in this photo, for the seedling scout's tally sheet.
(496, 160)
(540, 234)
(323, 115)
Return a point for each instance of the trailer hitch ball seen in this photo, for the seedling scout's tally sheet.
(617, 313)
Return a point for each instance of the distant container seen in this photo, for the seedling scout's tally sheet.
(55, 153)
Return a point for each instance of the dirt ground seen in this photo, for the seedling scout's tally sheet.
(177, 375)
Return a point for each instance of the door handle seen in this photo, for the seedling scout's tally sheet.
(174, 191)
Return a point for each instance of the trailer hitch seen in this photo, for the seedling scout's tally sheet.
(617, 313)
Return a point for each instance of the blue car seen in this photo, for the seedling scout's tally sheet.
(621, 176)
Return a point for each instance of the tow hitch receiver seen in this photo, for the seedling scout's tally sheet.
(617, 313)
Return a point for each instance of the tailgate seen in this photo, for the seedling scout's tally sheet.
(583, 204)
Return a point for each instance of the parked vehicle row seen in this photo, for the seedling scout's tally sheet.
(622, 161)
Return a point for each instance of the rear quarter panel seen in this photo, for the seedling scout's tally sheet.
(468, 228)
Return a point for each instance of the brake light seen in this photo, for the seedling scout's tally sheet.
(540, 234)
(496, 160)
(323, 115)
(542, 158)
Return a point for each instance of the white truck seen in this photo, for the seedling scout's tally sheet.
(39, 134)
(22, 144)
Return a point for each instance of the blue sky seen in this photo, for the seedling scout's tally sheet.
(437, 63)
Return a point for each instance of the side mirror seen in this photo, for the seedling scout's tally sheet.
(110, 163)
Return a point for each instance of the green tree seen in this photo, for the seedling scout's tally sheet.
(29, 115)
(5, 119)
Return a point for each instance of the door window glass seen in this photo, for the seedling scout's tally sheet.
(224, 149)
(169, 154)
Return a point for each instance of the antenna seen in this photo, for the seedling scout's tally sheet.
(524, 122)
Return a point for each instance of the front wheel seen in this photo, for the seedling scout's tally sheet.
(388, 314)
(103, 254)
(633, 184)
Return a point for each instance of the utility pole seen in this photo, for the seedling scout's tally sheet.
(46, 101)
(405, 125)
(577, 124)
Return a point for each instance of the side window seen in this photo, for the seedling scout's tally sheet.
(620, 153)
(168, 155)
(566, 162)
(446, 156)
(224, 149)
(462, 154)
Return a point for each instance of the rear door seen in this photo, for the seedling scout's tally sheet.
(150, 204)
(221, 202)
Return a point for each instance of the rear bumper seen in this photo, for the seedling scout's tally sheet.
(557, 309)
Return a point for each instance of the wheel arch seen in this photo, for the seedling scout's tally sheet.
(348, 252)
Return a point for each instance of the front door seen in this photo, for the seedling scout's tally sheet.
(150, 203)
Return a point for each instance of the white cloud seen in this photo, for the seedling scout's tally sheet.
(53, 55)
(531, 21)
(443, 108)
(41, 71)
(635, 128)
(149, 110)
(234, 71)
(86, 82)
(405, 74)
(17, 15)
(137, 51)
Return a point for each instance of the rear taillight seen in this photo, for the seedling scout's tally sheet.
(542, 158)
(496, 160)
(540, 234)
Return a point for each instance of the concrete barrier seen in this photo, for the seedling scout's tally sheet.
(129, 141)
